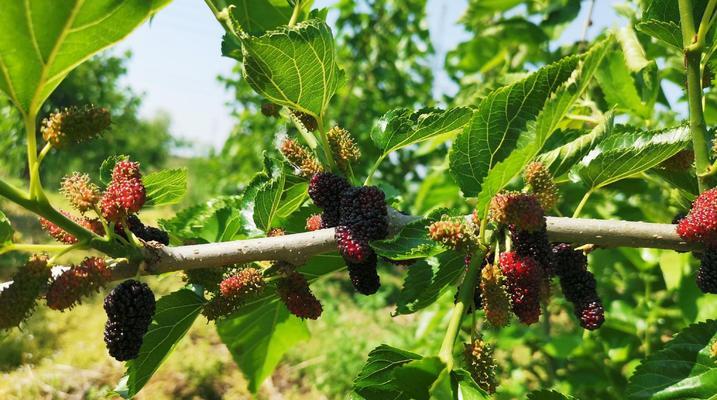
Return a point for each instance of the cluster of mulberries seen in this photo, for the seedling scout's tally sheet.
(521, 210)
(62, 236)
(145, 232)
(233, 292)
(18, 300)
(454, 233)
(343, 147)
(494, 299)
(481, 365)
(80, 191)
(300, 157)
(130, 308)
(524, 282)
(75, 125)
(541, 183)
(125, 194)
(578, 285)
(360, 215)
(294, 291)
(68, 289)
(313, 223)
(707, 274)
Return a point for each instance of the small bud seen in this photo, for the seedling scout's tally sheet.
(300, 157)
(81, 193)
(75, 125)
(343, 147)
(270, 109)
(313, 223)
(274, 232)
(541, 182)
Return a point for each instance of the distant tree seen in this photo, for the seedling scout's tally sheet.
(96, 81)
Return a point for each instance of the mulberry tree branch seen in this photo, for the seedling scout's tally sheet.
(299, 247)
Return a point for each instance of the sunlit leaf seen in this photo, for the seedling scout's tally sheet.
(165, 187)
(627, 153)
(41, 41)
(493, 131)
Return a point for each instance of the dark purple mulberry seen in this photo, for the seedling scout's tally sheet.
(130, 308)
(364, 276)
(707, 274)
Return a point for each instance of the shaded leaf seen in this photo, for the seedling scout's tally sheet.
(466, 387)
(376, 381)
(415, 378)
(426, 281)
(258, 339)
(6, 231)
(683, 369)
(411, 242)
(548, 395)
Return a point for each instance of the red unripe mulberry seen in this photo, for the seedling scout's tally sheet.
(68, 289)
(352, 247)
(125, 169)
(245, 282)
(523, 278)
(521, 210)
(700, 224)
(294, 291)
(123, 196)
(62, 236)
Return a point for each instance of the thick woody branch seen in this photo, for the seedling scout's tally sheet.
(297, 248)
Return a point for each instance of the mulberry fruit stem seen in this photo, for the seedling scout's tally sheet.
(582, 203)
(373, 169)
(328, 155)
(295, 14)
(34, 248)
(465, 298)
(30, 130)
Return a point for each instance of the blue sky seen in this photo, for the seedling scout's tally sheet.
(176, 60)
